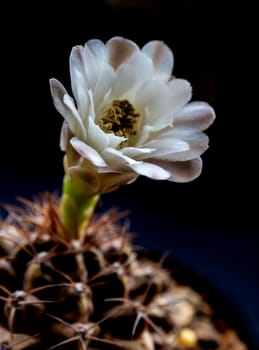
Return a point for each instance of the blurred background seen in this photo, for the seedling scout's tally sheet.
(210, 224)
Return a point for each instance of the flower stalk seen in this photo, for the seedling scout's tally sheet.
(77, 208)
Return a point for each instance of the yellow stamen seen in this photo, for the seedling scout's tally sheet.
(120, 120)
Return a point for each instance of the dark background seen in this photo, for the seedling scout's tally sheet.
(210, 224)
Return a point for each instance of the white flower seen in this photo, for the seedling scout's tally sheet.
(130, 116)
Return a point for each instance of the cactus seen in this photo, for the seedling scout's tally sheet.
(97, 293)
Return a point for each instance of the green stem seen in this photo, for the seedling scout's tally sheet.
(77, 209)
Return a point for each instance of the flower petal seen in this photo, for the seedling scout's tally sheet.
(150, 170)
(65, 106)
(115, 159)
(65, 135)
(181, 171)
(180, 94)
(96, 137)
(198, 144)
(162, 58)
(131, 75)
(159, 101)
(152, 102)
(120, 50)
(99, 51)
(79, 79)
(136, 153)
(103, 88)
(99, 140)
(178, 144)
(87, 152)
(165, 146)
(89, 61)
(198, 114)
(106, 74)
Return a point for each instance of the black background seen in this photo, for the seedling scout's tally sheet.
(211, 224)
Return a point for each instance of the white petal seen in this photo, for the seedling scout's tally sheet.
(199, 115)
(116, 160)
(132, 74)
(83, 60)
(144, 136)
(64, 136)
(79, 80)
(136, 153)
(79, 126)
(88, 152)
(66, 107)
(167, 146)
(178, 144)
(99, 50)
(101, 108)
(181, 171)
(152, 102)
(158, 101)
(90, 69)
(180, 94)
(91, 106)
(99, 140)
(96, 137)
(197, 146)
(120, 50)
(106, 74)
(162, 58)
(114, 140)
(103, 87)
(152, 171)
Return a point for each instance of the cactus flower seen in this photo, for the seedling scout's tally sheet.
(129, 116)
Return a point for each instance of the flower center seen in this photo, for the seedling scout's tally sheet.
(120, 120)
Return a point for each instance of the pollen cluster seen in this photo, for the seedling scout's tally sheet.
(120, 119)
